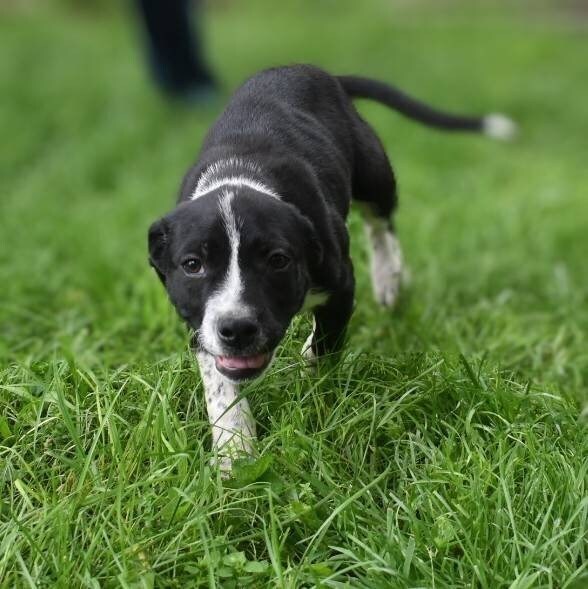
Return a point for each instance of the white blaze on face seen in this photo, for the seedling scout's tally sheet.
(227, 300)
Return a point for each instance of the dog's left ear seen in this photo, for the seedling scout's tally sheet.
(158, 247)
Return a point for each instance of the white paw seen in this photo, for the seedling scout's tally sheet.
(307, 352)
(386, 268)
(224, 464)
(238, 447)
(386, 291)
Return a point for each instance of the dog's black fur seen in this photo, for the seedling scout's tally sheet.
(311, 147)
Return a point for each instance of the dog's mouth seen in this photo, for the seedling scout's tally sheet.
(242, 367)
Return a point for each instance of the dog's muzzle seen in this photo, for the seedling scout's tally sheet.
(239, 338)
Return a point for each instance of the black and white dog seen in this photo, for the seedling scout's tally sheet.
(259, 231)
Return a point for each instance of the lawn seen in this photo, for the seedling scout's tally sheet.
(448, 446)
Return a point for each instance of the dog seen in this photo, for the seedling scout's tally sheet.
(259, 233)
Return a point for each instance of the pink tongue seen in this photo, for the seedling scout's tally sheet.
(240, 362)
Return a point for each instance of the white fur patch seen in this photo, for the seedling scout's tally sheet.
(221, 166)
(499, 126)
(226, 301)
(314, 298)
(385, 261)
(307, 351)
(237, 181)
(217, 175)
(233, 428)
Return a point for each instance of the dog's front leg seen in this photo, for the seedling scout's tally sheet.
(233, 427)
(330, 319)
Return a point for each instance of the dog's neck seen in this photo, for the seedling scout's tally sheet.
(235, 172)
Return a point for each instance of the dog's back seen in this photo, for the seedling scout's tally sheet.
(297, 122)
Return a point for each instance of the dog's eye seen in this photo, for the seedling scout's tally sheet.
(192, 266)
(278, 261)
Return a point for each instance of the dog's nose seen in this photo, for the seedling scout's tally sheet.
(237, 332)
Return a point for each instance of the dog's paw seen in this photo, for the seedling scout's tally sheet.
(387, 289)
(386, 282)
(310, 359)
(386, 270)
(306, 351)
(224, 464)
(238, 447)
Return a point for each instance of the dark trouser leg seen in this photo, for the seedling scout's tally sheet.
(173, 46)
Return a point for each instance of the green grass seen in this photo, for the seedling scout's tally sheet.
(446, 449)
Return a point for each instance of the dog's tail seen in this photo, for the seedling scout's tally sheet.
(497, 126)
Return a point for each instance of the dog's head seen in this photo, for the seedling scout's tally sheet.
(236, 265)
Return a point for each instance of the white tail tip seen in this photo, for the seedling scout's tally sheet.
(499, 126)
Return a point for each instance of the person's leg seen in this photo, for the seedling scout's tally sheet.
(174, 50)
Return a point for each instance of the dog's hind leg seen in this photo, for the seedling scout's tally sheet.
(374, 187)
(233, 427)
(385, 259)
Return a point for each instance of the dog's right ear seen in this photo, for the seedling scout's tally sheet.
(159, 247)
